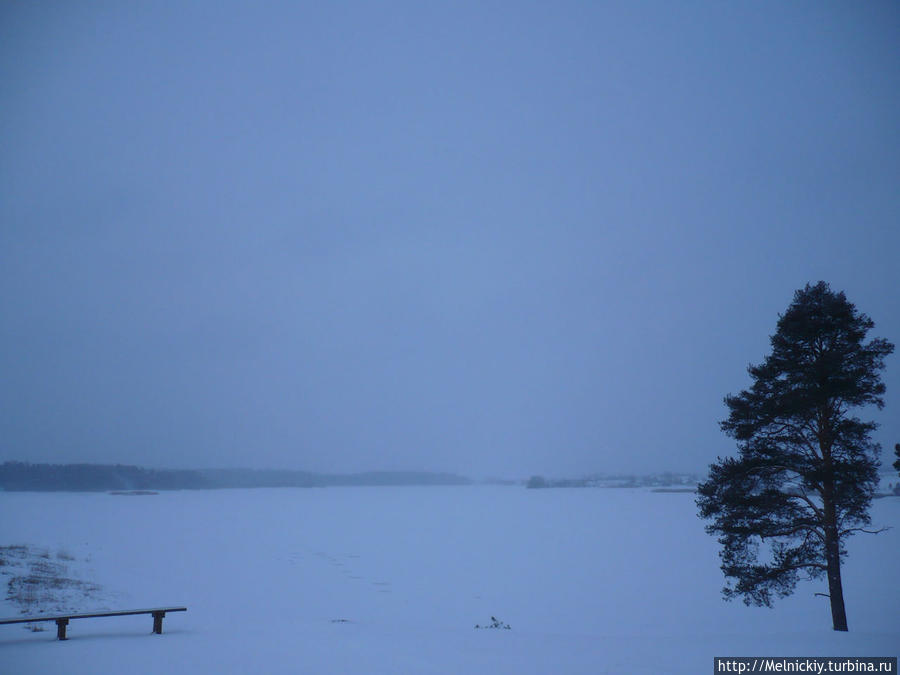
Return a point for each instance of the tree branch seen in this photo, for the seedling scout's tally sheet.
(809, 502)
(862, 529)
(809, 529)
(803, 566)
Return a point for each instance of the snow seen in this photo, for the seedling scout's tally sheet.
(394, 580)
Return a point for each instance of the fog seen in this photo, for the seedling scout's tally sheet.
(491, 239)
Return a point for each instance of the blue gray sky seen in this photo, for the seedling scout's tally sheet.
(489, 237)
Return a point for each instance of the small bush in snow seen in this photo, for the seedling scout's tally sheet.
(495, 623)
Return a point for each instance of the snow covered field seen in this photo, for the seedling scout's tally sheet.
(394, 580)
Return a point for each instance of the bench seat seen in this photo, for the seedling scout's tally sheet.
(62, 620)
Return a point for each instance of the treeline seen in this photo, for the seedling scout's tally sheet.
(22, 476)
(247, 478)
(665, 479)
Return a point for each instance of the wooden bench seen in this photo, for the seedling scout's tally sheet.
(62, 620)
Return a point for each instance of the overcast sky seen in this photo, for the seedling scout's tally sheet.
(489, 238)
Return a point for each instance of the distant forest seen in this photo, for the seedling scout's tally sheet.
(22, 476)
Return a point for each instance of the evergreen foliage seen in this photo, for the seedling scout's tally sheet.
(93, 477)
(806, 468)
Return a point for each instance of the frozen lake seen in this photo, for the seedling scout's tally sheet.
(395, 580)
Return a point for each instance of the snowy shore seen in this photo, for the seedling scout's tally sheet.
(394, 580)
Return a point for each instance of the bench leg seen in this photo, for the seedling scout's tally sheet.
(61, 628)
(157, 622)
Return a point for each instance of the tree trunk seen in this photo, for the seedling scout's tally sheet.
(835, 589)
(833, 560)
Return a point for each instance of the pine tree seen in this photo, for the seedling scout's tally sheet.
(806, 468)
(897, 452)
